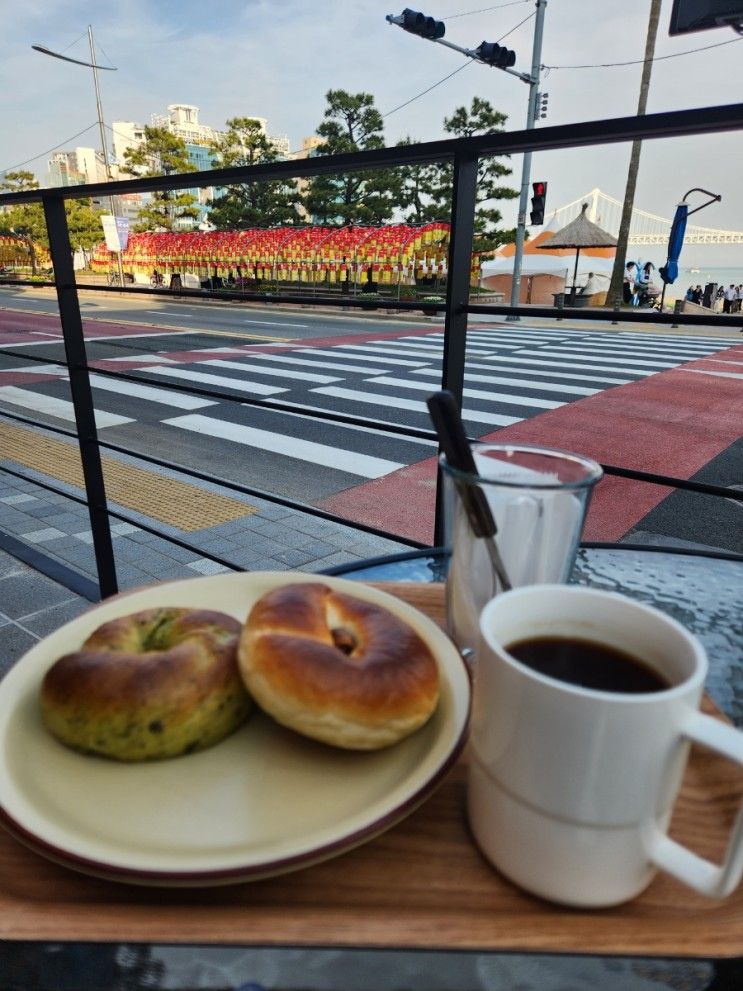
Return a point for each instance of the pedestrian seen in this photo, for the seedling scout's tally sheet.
(738, 299)
(719, 298)
(689, 297)
(698, 295)
(642, 284)
(628, 287)
(730, 295)
(592, 286)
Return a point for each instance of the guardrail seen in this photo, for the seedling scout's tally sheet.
(464, 154)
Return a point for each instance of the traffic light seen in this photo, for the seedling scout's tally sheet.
(497, 55)
(426, 27)
(538, 201)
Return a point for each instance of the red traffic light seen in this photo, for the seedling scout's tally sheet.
(538, 202)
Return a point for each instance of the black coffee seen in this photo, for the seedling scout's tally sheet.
(588, 664)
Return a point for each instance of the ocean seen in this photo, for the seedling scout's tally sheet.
(701, 276)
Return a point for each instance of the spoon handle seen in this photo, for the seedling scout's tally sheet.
(453, 440)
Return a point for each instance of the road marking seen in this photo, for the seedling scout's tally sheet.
(392, 402)
(385, 350)
(59, 408)
(340, 350)
(577, 390)
(230, 383)
(604, 350)
(719, 375)
(276, 323)
(177, 399)
(524, 370)
(38, 370)
(493, 397)
(335, 365)
(581, 356)
(566, 364)
(349, 426)
(280, 372)
(165, 313)
(292, 447)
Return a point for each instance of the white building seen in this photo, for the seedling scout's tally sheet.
(74, 168)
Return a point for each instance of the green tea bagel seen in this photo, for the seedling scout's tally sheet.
(154, 684)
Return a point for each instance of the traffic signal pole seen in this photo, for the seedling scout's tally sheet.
(531, 118)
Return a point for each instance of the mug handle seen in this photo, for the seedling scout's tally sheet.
(700, 874)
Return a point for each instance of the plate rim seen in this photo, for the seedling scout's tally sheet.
(271, 866)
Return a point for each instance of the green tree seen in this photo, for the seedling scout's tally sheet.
(162, 153)
(84, 224)
(413, 190)
(426, 190)
(351, 123)
(254, 204)
(25, 220)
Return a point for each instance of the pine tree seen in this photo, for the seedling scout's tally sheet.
(25, 220)
(161, 153)
(351, 123)
(426, 192)
(268, 203)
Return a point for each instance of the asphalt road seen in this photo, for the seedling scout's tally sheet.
(378, 369)
(243, 320)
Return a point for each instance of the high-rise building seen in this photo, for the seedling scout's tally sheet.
(75, 168)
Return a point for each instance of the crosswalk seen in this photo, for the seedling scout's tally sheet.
(512, 374)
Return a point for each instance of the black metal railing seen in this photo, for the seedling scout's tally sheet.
(464, 155)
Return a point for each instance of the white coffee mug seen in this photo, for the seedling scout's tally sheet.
(571, 789)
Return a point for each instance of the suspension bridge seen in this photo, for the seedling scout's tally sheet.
(645, 228)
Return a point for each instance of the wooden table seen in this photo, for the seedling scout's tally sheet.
(420, 885)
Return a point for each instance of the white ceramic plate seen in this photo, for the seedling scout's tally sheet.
(262, 802)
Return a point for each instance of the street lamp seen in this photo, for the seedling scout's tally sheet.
(99, 110)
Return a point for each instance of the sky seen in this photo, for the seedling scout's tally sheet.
(278, 58)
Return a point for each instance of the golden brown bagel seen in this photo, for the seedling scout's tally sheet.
(337, 668)
(153, 684)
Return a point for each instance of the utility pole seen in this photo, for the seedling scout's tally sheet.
(99, 112)
(617, 275)
(531, 118)
(104, 147)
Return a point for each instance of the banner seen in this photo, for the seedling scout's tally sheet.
(116, 232)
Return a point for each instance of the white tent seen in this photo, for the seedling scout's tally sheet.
(547, 264)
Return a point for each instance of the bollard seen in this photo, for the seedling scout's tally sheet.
(678, 307)
(616, 308)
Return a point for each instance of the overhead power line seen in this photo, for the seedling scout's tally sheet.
(485, 10)
(41, 154)
(658, 58)
(464, 64)
(412, 99)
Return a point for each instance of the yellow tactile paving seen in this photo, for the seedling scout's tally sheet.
(176, 503)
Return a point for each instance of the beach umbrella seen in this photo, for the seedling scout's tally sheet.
(669, 272)
(579, 233)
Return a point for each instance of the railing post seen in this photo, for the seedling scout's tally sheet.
(82, 398)
(462, 229)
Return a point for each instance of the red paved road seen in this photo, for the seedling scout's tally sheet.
(672, 423)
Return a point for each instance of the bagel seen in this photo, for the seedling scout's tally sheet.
(336, 668)
(153, 684)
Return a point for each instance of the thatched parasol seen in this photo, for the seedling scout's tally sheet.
(579, 233)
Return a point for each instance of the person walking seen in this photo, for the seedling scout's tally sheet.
(628, 287)
(730, 295)
(738, 299)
